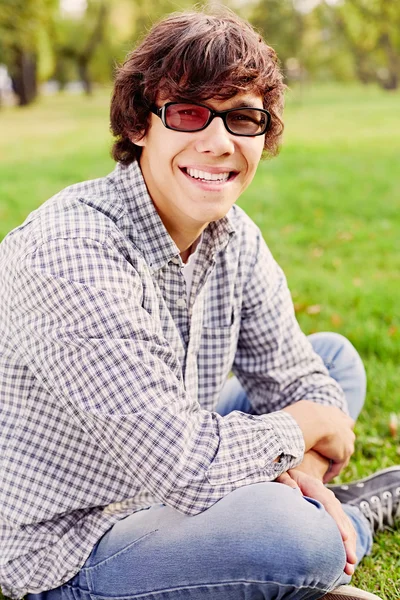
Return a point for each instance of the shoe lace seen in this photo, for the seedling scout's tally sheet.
(382, 511)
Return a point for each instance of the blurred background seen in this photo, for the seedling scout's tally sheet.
(51, 45)
(328, 205)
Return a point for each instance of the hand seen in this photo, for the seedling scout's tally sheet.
(318, 466)
(314, 488)
(326, 429)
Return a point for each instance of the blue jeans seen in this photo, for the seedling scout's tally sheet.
(263, 541)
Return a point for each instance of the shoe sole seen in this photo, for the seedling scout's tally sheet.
(346, 592)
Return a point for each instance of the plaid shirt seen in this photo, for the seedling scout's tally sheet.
(108, 377)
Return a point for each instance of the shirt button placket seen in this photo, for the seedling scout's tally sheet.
(181, 303)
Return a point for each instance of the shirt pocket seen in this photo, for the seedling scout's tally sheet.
(220, 315)
(217, 352)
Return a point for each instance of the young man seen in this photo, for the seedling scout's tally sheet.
(132, 466)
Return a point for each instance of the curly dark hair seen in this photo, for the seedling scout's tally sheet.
(194, 56)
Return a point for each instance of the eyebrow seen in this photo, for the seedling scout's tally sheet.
(245, 103)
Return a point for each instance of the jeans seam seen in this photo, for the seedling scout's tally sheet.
(336, 583)
(152, 593)
(329, 365)
(90, 568)
(72, 589)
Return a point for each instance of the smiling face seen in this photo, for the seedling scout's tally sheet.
(194, 178)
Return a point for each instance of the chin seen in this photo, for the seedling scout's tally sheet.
(213, 216)
(216, 211)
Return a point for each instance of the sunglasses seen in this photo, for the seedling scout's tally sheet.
(185, 116)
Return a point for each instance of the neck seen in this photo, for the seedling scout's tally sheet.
(186, 253)
(191, 249)
(184, 237)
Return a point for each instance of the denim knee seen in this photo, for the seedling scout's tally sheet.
(260, 541)
(280, 536)
(344, 365)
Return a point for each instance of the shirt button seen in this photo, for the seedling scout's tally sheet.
(181, 302)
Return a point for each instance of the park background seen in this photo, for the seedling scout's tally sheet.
(328, 205)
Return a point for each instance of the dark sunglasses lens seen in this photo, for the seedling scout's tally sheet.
(247, 121)
(186, 117)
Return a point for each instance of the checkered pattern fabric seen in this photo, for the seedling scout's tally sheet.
(108, 377)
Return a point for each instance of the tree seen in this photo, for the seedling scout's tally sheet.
(281, 26)
(371, 29)
(21, 23)
(291, 32)
(76, 41)
(150, 11)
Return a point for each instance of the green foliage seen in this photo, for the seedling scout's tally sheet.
(21, 24)
(150, 11)
(24, 25)
(281, 26)
(328, 56)
(87, 48)
(353, 38)
(305, 40)
(372, 32)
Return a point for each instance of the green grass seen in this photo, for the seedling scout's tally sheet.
(329, 208)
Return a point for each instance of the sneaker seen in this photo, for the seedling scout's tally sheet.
(377, 496)
(348, 592)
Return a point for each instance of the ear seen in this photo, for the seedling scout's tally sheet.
(138, 140)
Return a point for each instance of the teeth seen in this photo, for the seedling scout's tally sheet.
(207, 176)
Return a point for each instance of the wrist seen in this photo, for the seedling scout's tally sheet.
(314, 464)
(312, 420)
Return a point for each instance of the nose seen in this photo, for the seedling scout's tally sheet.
(215, 139)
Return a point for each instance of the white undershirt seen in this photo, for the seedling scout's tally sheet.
(188, 268)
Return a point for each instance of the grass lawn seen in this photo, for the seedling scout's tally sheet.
(329, 208)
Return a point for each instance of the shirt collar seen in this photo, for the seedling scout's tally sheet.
(145, 226)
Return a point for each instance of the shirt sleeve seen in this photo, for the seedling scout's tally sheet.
(80, 326)
(275, 362)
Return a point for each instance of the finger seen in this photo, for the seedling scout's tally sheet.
(345, 526)
(350, 548)
(287, 480)
(328, 477)
(334, 470)
(347, 531)
(349, 543)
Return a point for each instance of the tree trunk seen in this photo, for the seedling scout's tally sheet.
(391, 82)
(83, 68)
(60, 74)
(23, 76)
(363, 71)
(95, 39)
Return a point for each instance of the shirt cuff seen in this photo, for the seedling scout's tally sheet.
(290, 439)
